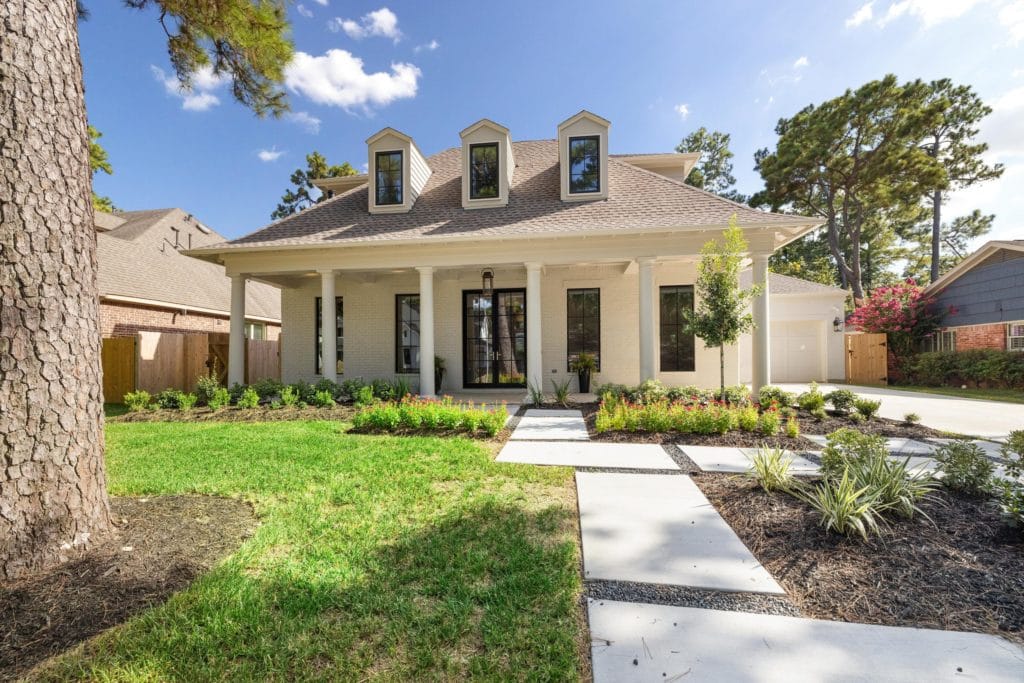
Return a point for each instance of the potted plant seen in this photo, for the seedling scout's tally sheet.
(584, 366)
(439, 370)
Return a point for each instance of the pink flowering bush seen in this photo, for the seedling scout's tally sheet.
(902, 313)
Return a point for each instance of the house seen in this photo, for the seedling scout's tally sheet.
(146, 283)
(984, 295)
(505, 260)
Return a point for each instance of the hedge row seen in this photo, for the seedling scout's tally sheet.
(979, 367)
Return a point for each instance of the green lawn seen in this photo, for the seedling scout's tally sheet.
(1004, 395)
(376, 558)
(114, 409)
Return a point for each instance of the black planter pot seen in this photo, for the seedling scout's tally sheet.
(584, 378)
(438, 379)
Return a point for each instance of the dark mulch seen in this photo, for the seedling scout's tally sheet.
(233, 414)
(161, 545)
(878, 425)
(963, 572)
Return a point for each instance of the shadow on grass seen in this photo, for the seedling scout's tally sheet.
(489, 590)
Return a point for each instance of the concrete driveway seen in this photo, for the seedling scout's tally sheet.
(972, 417)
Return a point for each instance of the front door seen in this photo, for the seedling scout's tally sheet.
(494, 338)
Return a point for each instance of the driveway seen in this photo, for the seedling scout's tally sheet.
(972, 417)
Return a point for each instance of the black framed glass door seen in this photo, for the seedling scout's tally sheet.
(494, 338)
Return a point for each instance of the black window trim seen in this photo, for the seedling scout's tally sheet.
(568, 179)
(692, 367)
(399, 370)
(317, 338)
(497, 161)
(401, 173)
(569, 354)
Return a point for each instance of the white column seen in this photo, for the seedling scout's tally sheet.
(761, 340)
(236, 338)
(427, 387)
(534, 358)
(328, 327)
(646, 283)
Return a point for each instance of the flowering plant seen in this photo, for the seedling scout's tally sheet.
(902, 312)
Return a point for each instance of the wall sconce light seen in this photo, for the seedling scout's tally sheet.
(488, 281)
(837, 324)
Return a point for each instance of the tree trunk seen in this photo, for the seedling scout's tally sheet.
(721, 369)
(936, 233)
(52, 481)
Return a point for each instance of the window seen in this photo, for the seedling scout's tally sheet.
(1015, 337)
(676, 342)
(340, 331)
(483, 171)
(940, 341)
(389, 178)
(407, 333)
(583, 324)
(257, 331)
(585, 164)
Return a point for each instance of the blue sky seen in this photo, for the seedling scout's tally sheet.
(657, 70)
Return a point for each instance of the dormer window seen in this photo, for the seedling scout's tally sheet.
(483, 171)
(388, 166)
(585, 164)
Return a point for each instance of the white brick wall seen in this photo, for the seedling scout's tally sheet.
(370, 323)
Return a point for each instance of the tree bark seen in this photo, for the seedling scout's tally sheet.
(936, 234)
(53, 499)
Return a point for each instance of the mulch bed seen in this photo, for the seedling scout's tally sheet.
(878, 425)
(161, 545)
(234, 414)
(964, 570)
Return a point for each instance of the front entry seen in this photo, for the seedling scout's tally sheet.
(494, 338)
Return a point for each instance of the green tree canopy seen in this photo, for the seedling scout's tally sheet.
(98, 162)
(955, 236)
(713, 172)
(303, 192)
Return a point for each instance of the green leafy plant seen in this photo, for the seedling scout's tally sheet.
(221, 397)
(275, 404)
(770, 467)
(812, 399)
(819, 413)
(561, 391)
(1010, 490)
(305, 391)
(769, 395)
(965, 467)
(912, 418)
(350, 387)
(854, 417)
(846, 446)
(289, 396)
(400, 388)
(867, 407)
(168, 399)
(267, 388)
(842, 400)
(187, 401)
(363, 396)
(137, 401)
(792, 427)
(249, 399)
(536, 394)
(843, 506)
(650, 391)
(415, 414)
(747, 419)
(738, 395)
(771, 421)
(323, 399)
(206, 385)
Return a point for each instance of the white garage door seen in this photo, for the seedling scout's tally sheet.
(796, 351)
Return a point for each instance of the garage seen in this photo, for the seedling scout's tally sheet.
(797, 353)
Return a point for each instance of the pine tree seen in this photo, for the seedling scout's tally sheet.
(304, 194)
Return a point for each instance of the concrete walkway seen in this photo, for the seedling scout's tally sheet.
(551, 425)
(972, 417)
(634, 456)
(638, 642)
(738, 460)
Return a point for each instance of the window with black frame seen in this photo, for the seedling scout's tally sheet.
(583, 324)
(585, 164)
(407, 333)
(340, 331)
(677, 344)
(388, 167)
(483, 171)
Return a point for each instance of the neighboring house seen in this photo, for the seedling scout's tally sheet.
(985, 294)
(147, 284)
(505, 260)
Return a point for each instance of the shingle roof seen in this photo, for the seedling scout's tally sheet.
(138, 260)
(785, 284)
(638, 200)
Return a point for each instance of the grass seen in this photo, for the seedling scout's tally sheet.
(376, 557)
(1004, 395)
(114, 409)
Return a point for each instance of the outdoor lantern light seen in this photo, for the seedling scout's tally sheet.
(837, 324)
(488, 281)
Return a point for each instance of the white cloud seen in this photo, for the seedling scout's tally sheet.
(198, 97)
(322, 3)
(801, 62)
(683, 110)
(337, 78)
(431, 46)
(268, 155)
(1003, 129)
(304, 11)
(382, 22)
(861, 16)
(1011, 17)
(310, 123)
(928, 12)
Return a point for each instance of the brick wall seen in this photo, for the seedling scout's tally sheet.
(124, 320)
(991, 336)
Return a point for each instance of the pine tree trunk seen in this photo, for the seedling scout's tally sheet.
(936, 233)
(52, 482)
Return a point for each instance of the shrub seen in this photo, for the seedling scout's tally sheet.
(738, 395)
(137, 401)
(400, 388)
(650, 391)
(965, 467)
(770, 467)
(267, 388)
(187, 401)
(168, 399)
(846, 446)
(248, 399)
(221, 397)
(690, 394)
(289, 396)
(771, 421)
(746, 419)
(912, 418)
(383, 389)
(305, 391)
(417, 414)
(792, 427)
(843, 506)
(536, 394)
(812, 399)
(323, 399)
(205, 386)
(322, 385)
(1010, 491)
(769, 395)
(989, 367)
(819, 413)
(867, 407)
(236, 391)
(363, 396)
(616, 391)
(842, 400)
(561, 392)
(855, 417)
(350, 387)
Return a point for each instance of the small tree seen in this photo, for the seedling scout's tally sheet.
(902, 313)
(721, 314)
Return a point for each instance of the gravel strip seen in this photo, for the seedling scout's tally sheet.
(681, 596)
(685, 464)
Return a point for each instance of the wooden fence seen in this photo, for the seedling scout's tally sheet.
(155, 361)
(866, 359)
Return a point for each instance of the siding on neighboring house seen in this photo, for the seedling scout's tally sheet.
(990, 292)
